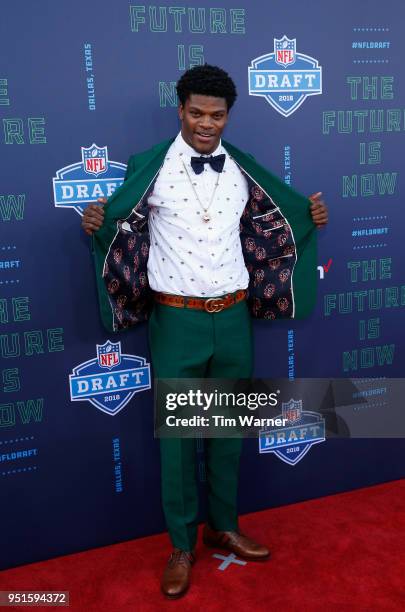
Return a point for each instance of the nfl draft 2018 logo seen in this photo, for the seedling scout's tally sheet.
(285, 78)
(95, 176)
(291, 443)
(110, 380)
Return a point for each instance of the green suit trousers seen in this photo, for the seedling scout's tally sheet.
(188, 343)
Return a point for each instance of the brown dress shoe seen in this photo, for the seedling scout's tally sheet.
(236, 542)
(176, 577)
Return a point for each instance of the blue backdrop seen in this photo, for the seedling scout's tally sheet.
(74, 74)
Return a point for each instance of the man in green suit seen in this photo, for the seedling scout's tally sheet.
(199, 237)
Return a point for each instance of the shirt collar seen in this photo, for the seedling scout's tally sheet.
(183, 147)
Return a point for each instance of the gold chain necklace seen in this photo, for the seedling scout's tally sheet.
(206, 216)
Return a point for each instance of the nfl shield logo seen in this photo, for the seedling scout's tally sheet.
(109, 354)
(284, 50)
(292, 410)
(95, 159)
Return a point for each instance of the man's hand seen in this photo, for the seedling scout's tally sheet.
(93, 217)
(319, 210)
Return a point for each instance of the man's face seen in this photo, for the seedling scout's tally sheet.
(203, 119)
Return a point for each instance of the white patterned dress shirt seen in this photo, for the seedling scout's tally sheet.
(187, 255)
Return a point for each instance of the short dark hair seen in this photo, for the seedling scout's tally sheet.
(206, 81)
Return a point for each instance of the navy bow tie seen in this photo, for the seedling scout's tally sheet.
(216, 162)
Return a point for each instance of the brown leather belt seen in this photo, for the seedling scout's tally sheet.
(208, 304)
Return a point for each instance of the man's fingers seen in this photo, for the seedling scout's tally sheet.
(93, 225)
(319, 210)
(94, 208)
(321, 220)
(317, 203)
(90, 228)
(316, 208)
(93, 216)
(87, 228)
(319, 213)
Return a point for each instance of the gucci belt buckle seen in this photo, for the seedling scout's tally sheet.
(214, 305)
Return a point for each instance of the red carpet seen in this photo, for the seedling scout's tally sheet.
(343, 552)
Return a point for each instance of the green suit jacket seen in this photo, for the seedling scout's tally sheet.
(278, 241)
